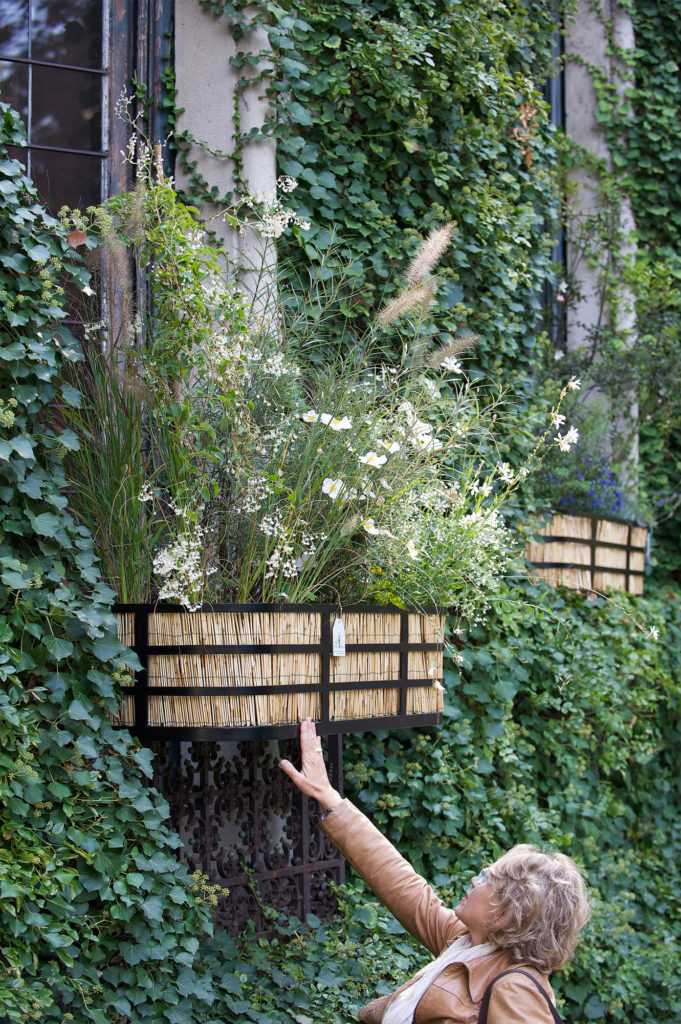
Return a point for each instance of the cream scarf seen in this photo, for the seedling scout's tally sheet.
(400, 1010)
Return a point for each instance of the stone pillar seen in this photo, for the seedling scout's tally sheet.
(588, 311)
(206, 85)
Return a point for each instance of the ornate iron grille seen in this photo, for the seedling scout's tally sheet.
(245, 825)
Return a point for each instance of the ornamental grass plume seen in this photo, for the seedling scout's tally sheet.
(460, 343)
(420, 297)
(429, 253)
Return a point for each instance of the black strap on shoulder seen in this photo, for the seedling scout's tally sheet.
(484, 1005)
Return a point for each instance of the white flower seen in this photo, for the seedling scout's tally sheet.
(412, 550)
(370, 526)
(558, 354)
(87, 290)
(342, 423)
(484, 488)
(452, 364)
(390, 446)
(566, 441)
(505, 472)
(146, 493)
(334, 488)
(310, 416)
(557, 419)
(335, 422)
(653, 633)
(574, 384)
(384, 483)
(373, 459)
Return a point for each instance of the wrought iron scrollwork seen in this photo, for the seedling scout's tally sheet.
(245, 825)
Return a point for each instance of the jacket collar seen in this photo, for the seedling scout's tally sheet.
(480, 972)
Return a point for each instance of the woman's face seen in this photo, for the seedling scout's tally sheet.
(475, 909)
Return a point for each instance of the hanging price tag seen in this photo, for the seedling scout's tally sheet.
(338, 641)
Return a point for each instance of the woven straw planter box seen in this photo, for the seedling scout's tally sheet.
(238, 671)
(590, 553)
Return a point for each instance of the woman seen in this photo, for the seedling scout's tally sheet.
(519, 920)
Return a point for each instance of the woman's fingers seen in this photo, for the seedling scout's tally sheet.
(312, 779)
(295, 775)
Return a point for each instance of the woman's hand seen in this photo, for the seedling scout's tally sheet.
(312, 780)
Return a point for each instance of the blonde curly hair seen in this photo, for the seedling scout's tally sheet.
(541, 904)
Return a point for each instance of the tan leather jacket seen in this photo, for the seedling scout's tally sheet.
(455, 996)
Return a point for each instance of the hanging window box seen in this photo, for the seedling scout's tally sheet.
(586, 552)
(240, 671)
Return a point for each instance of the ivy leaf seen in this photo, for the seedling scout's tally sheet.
(58, 648)
(23, 446)
(72, 396)
(86, 746)
(153, 908)
(46, 524)
(78, 711)
(38, 253)
(69, 439)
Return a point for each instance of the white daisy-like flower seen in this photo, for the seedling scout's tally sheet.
(373, 459)
(574, 384)
(310, 416)
(390, 446)
(452, 365)
(340, 423)
(653, 633)
(557, 419)
(325, 418)
(333, 488)
(370, 526)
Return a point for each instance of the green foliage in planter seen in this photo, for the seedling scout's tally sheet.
(99, 922)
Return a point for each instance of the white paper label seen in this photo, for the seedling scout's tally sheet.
(338, 642)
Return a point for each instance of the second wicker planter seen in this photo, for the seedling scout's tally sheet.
(256, 670)
(590, 553)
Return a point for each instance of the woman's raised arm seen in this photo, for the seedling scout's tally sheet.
(398, 886)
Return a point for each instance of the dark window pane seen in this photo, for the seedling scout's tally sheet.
(14, 28)
(64, 179)
(66, 109)
(14, 86)
(67, 33)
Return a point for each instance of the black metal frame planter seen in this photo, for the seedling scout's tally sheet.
(254, 671)
(589, 552)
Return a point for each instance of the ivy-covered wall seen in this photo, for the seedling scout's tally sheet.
(563, 726)
(99, 921)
